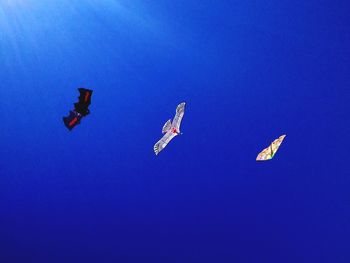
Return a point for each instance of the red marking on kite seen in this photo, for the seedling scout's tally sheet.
(72, 122)
(87, 96)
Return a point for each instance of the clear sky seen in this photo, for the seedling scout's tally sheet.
(249, 72)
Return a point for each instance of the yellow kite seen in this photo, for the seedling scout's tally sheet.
(269, 152)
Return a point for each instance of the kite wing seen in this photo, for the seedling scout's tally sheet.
(180, 111)
(269, 152)
(163, 142)
(82, 106)
(72, 120)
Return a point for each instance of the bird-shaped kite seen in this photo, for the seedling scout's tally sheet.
(170, 129)
(269, 152)
(81, 109)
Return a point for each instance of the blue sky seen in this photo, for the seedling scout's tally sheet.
(249, 71)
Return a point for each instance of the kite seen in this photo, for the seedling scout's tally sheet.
(269, 152)
(170, 129)
(81, 109)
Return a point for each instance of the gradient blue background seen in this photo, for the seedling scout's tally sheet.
(249, 72)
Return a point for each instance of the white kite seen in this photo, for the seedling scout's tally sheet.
(170, 129)
(269, 152)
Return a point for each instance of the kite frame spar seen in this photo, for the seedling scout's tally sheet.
(170, 129)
